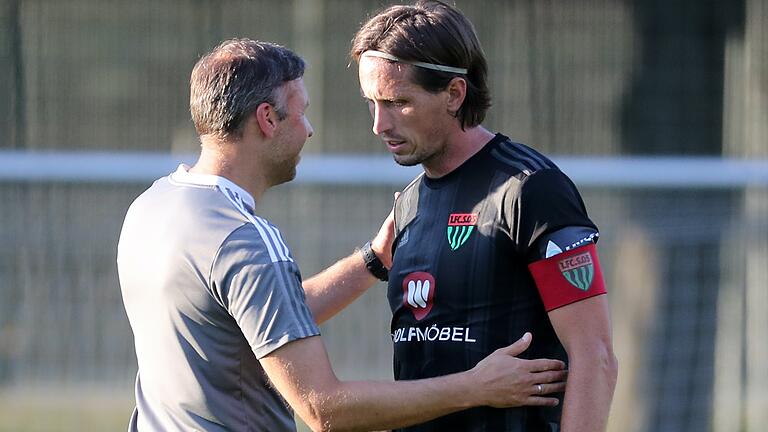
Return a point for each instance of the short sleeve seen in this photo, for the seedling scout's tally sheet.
(263, 294)
(545, 202)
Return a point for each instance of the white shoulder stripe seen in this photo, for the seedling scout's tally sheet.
(278, 239)
(272, 238)
(264, 238)
(240, 199)
(285, 246)
(417, 178)
(277, 249)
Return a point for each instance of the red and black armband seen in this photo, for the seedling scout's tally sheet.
(568, 277)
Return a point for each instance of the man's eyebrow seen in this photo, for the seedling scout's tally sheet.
(382, 99)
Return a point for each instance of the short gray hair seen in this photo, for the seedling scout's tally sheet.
(231, 81)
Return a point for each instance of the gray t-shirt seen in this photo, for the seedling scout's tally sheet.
(209, 288)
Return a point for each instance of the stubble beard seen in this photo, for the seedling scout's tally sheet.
(284, 171)
(419, 157)
(408, 160)
(289, 169)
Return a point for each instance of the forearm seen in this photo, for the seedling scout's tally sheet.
(334, 288)
(366, 405)
(301, 372)
(589, 391)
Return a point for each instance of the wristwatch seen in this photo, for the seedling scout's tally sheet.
(373, 263)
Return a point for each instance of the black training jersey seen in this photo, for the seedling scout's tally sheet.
(460, 287)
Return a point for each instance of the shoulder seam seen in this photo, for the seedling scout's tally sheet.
(414, 181)
(505, 159)
(272, 237)
(269, 233)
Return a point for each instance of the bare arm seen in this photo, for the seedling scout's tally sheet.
(584, 329)
(301, 371)
(333, 289)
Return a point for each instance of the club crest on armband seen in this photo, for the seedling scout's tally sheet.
(578, 270)
(460, 227)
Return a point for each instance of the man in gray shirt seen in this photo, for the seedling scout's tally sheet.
(225, 331)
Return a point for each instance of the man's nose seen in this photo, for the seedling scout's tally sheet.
(381, 121)
(310, 130)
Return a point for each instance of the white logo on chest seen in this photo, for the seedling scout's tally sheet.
(419, 293)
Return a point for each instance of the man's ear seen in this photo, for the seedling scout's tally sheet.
(266, 117)
(457, 92)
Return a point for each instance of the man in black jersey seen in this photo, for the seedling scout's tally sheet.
(492, 240)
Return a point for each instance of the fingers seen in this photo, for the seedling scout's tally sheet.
(389, 223)
(537, 365)
(539, 391)
(542, 401)
(519, 346)
(542, 365)
(548, 388)
(390, 220)
(550, 376)
(382, 242)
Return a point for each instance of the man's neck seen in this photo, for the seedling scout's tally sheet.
(461, 145)
(225, 159)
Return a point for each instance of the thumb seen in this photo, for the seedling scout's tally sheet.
(389, 222)
(392, 211)
(520, 345)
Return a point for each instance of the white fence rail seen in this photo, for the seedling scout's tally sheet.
(628, 172)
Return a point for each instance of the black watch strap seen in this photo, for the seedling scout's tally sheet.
(373, 263)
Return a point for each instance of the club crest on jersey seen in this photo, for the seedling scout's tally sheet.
(460, 226)
(578, 270)
(419, 293)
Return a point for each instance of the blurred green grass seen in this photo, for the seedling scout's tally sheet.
(84, 410)
(44, 411)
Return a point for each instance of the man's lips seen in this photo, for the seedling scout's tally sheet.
(393, 143)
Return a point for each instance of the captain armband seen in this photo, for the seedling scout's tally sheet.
(568, 277)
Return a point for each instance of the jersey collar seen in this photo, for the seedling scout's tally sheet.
(183, 176)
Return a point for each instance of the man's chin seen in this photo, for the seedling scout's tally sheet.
(406, 160)
(291, 176)
(285, 178)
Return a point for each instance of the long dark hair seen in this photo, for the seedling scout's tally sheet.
(433, 32)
